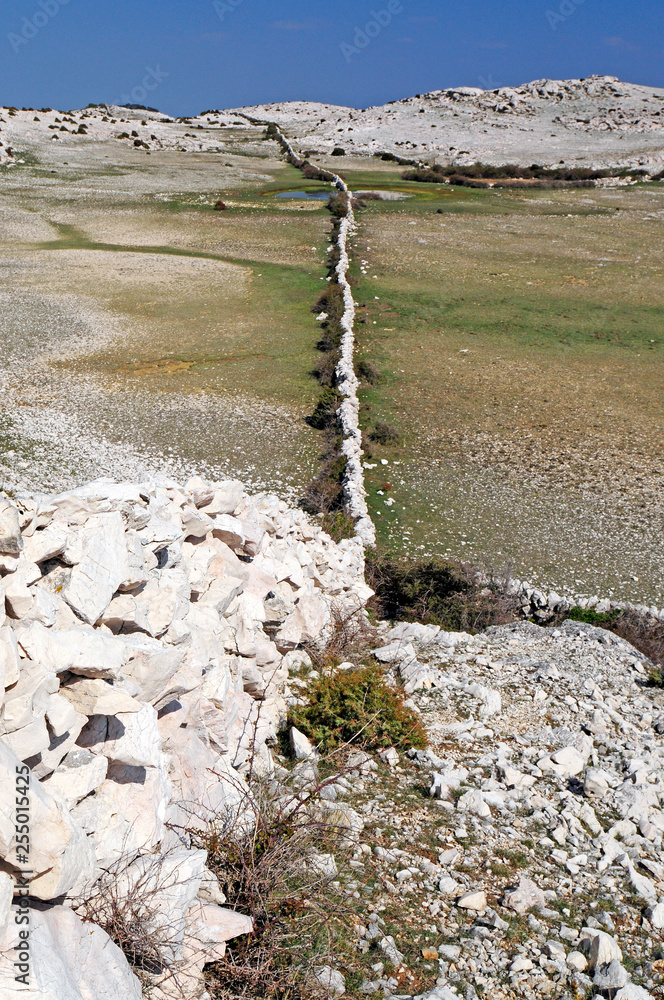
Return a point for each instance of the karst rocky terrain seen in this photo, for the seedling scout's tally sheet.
(151, 647)
(157, 635)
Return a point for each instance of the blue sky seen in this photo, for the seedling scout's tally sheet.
(185, 56)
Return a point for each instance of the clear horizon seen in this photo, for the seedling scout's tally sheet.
(232, 53)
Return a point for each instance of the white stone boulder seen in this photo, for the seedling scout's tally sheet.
(80, 773)
(81, 651)
(150, 665)
(300, 745)
(526, 896)
(134, 738)
(9, 657)
(46, 544)
(93, 696)
(102, 568)
(11, 540)
(126, 814)
(473, 901)
(331, 981)
(603, 947)
(226, 499)
(59, 850)
(208, 927)
(69, 960)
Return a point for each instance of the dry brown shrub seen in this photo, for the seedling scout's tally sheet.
(351, 637)
(277, 876)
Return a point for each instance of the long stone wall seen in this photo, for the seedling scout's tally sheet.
(348, 414)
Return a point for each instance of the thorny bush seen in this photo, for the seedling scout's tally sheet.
(455, 596)
(279, 874)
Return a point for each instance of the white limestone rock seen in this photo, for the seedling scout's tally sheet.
(103, 566)
(473, 901)
(134, 738)
(126, 813)
(150, 664)
(227, 498)
(526, 896)
(300, 745)
(229, 530)
(46, 544)
(80, 651)
(11, 540)
(60, 852)
(208, 927)
(603, 948)
(70, 960)
(80, 773)
(93, 696)
(9, 657)
(331, 981)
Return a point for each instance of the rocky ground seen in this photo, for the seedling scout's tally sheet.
(152, 642)
(520, 855)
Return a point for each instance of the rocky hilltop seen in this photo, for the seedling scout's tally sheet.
(152, 645)
(598, 122)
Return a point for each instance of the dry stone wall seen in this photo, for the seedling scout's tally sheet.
(348, 414)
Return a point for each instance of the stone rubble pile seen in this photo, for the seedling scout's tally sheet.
(547, 757)
(543, 606)
(146, 633)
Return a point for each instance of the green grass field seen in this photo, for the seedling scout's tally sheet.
(520, 343)
(518, 335)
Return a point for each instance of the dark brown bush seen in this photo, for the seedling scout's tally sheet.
(367, 371)
(385, 434)
(455, 596)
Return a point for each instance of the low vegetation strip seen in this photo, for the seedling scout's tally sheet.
(484, 175)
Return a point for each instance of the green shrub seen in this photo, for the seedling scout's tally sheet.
(325, 413)
(338, 205)
(357, 706)
(331, 301)
(338, 524)
(590, 617)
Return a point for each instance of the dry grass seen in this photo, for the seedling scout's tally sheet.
(520, 380)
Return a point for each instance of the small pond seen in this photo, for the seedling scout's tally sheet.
(305, 195)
